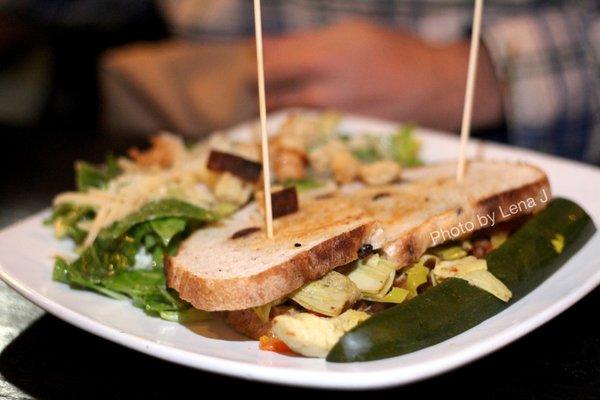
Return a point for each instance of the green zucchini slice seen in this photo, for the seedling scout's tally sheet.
(525, 260)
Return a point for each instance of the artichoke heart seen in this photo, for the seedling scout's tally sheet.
(263, 312)
(484, 280)
(474, 271)
(373, 276)
(450, 252)
(449, 269)
(330, 295)
(314, 336)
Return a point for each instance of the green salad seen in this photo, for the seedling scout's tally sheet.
(126, 259)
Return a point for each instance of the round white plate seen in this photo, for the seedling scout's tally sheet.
(27, 249)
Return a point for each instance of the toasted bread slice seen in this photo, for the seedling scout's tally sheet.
(432, 208)
(214, 271)
(233, 266)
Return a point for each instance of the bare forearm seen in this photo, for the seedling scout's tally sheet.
(359, 67)
(449, 101)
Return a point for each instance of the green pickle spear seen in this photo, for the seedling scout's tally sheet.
(524, 261)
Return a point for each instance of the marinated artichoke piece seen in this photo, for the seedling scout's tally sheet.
(373, 275)
(450, 252)
(474, 271)
(449, 269)
(484, 280)
(498, 239)
(330, 295)
(314, 336)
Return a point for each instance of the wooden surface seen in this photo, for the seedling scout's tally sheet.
(43, 357)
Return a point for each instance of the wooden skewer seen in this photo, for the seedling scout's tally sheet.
(263, 119)
(471, 76)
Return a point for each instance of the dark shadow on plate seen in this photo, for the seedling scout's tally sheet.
(216, 328)
(54, 360)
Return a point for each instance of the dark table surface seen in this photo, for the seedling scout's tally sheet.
(44, 357)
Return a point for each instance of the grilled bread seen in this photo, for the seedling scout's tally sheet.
(233, 266)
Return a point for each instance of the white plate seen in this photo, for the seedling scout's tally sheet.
(27, 248)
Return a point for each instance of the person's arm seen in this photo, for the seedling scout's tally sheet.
(548, 64)
(360, 67)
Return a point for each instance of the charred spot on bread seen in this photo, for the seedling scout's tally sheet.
(297, 244)
(284, 202)
(324, 196)
(243, 168)
(381, 195)
(245, 232)
(410, 248)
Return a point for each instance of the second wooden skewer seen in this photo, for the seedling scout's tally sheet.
(263, 119)
(470, 91)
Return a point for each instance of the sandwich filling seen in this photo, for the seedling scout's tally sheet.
(312, 319)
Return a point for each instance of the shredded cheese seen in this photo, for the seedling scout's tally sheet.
(187, 179)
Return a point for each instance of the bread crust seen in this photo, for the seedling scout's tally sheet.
(412, 245)
(247, 323)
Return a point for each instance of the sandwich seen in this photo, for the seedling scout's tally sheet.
(351, 252)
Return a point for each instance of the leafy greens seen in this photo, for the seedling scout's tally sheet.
(405, 147)
(89, 176)
(402, 146)
(302, 185)
(126, 259)
(66, 218)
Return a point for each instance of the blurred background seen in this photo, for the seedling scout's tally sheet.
(50, 107)
(80, 77)
(132, 67)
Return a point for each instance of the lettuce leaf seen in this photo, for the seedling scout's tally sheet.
(148, 290)
(167, 208)
(90, 176)
(404, 147)
(167, 228)
(107, 266)
(65, 219)
(186, 316)
(368, 154)
(302, 185)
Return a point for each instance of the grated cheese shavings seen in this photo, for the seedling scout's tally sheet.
(187, 179)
